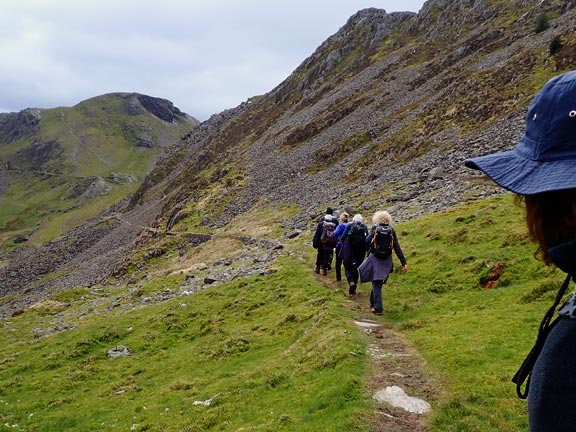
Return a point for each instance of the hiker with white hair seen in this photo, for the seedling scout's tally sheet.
(381, 242)
(541, 171)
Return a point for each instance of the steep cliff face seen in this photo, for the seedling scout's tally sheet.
(346, 52)
(163, 109)
(381, 115)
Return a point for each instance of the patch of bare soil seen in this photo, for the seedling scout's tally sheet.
(394, 362)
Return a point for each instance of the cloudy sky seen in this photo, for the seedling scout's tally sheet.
(203, 55)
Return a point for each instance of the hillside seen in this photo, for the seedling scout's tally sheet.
(283, 348)
(61, 166)
(380, 116)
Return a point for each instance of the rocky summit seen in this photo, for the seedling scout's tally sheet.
(381, 115)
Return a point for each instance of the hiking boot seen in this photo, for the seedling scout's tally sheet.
(352, 289)
(375, 312)
(325, 272)
(317, 271)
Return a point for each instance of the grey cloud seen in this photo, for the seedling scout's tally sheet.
(203, 55)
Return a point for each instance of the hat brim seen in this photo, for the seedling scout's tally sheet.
(524, 176)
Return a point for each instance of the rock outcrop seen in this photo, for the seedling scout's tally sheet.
(16, 125)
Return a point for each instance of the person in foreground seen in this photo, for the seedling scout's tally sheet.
(541, 170)
(380, 243)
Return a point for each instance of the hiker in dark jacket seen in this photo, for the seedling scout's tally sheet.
(329, 212)
(353, 251)
(324, 246)
(540, 170)
(377, 269)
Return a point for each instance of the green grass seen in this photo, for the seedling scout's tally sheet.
(280, 352)
(474, 339)
(270, 352)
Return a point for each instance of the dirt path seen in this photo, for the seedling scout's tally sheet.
(393, 362)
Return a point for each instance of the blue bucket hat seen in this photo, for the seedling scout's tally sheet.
(545, 158)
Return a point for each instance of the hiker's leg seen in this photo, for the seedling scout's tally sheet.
(354, 276)
(318, 259)
(324, 259)
(377, 296)
(338, 268)
(348, 272)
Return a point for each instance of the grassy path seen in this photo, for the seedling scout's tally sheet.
(393, 362)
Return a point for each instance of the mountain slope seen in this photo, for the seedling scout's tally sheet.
(382, 114)
(61, 166)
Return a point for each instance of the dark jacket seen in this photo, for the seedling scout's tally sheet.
(552, 392)
(353, 253)
(375, 268)
(316, 241)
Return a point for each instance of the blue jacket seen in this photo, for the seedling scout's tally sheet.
(340, 229)
(552, 392)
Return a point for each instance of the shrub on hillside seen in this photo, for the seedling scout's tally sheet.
(555, 45)
(542, 23)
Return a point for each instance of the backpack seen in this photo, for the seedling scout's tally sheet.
(357, 233)
(327, 236)
(383, 241)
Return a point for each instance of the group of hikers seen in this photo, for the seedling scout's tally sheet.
(365, 254)
(540, 170)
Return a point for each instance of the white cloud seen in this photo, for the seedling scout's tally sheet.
(203, 55)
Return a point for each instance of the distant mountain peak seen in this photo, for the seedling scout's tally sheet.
(137, 104)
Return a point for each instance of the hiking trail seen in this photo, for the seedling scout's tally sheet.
(398, 381)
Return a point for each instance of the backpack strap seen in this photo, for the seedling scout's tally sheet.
(374, 238)
(525, 370)
(344, 233)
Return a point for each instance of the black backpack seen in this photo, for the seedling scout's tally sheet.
(357, 233)
(327, 236)
(383, 241)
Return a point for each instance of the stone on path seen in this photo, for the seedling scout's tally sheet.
(367, 324)
(395, 396)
